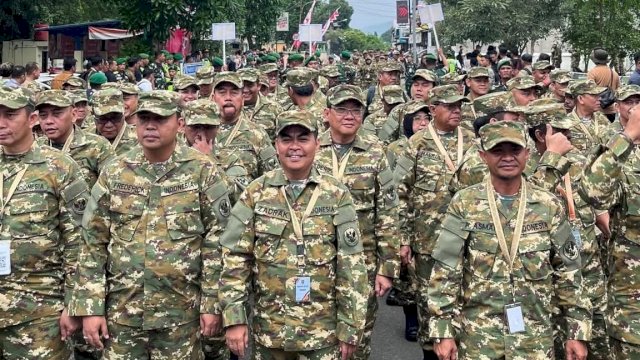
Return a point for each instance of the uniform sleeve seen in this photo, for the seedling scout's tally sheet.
(352, 286)
(72, 202)
(405, 179)
(550, 170)
(601, 182)
(216, 208)
(267, 157)
(237, 243)
(106, 154)
(445, 282)
(567, 266)
(88, 296)
(390, 130)
(386, 223)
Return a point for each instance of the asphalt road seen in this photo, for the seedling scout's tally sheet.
(388, 341)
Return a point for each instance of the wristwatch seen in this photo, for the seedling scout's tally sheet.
(437, 340)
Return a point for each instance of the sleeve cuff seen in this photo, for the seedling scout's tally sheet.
(85, 307)
(620, 145)
(234, 315)
(578, 329)
(441, 329)
(210, 305)
(347, 334)
(389, 268)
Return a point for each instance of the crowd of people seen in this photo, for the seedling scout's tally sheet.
(263, 206)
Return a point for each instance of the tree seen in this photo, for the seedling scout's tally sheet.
(353, 39)
(387, 36)
(260, 20)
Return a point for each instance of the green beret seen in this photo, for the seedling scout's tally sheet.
(270, 59)
(98, 78)
(310, 59)
(217, 62)
(166, 53)
(121, 61)
(143, 56)
(250, 58)
(177, 57)
(345, 54)
(317, 53)
(296, 57)
(275, 55)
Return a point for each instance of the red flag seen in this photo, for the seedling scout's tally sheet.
(307, 20)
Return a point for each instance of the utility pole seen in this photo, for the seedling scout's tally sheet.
(413, 31)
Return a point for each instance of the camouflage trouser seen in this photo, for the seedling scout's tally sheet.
(265, 353)
(623, 350)
(82, 350)
(424, 264)
(364, 346)
(33, 340)
(405, 285)
(132, 343)
(215, 348)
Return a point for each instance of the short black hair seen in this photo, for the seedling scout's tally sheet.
(636, 57)
(147, 72)
(18, 71)
(68, 63)
(306, 90)
(96, 60)
(544, 57)
(133, 61)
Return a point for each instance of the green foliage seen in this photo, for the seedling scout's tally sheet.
(353, 39)
(260, 20)
(387, 36)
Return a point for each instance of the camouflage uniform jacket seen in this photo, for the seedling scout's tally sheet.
(260, 248)
(250, 144)
(373, 122)
(392, 129)
(369, 179)
(367, 76)
(394, 150)
(376, 101)
(264, 113)
(42, 223)
(610, 181)
(613, 128)
(423, 178)
(280, 94)
(467, 116)
(90, 151)
(235, 174)
(470, 282)
(158, 75)
(585, 136)
(151, 256)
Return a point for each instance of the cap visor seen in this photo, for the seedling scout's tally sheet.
(453, 99)
(161, 112)
(491, 144)
(286, 125)
(99, 111)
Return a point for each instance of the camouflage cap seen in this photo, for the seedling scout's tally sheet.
(490, 103)
(542, 65)
(201, 112)
(330, 71)
(504, 62)
(267, 68)
(58, 98)
(581, 87)
(393, 94)
(560, 76)
(413, 106)
(552, 114)
(205, 75)
(390, 66)
(625, 91)
(264, 80)
(300, 76)
(75, 82)
(522, 83)
(452, 78)
(107, 101)
(228, 77)
(543, 101)
(159, 102)
(129, 88)
(184, 81)
(295, 117)
(15, 98)
(478, 71)
(79, 95)
(342, 93)
(428, 75)
(499, 132)
(249, 74)
(446, 94)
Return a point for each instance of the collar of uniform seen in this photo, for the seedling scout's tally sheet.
(481, 194)
(34, 155)
(359, 142)
(277, 177)
(79, 137)
(180, 154)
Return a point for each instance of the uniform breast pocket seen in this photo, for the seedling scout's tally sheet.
(535, 252)
(32, 213)
(182, 213)
(363, 190)
(483, 248)
(427, 175)
(126, 216)
(319, 240)
(269, 232)
(633, 208)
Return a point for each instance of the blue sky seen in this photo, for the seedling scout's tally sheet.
(373, 15)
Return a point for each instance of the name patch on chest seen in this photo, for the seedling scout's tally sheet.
(272, 212)
(528, 228)
(178, 188)
(29, 187)
(130, 189)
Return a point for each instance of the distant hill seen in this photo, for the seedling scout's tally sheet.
(374, 28)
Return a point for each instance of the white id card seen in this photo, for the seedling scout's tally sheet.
(303, 289)
(576, 236)
(5, 257)
(515, 321)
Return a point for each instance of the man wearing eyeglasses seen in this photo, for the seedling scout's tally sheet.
(108, 108)
(627, 96)
(423, 172)
(361, 164)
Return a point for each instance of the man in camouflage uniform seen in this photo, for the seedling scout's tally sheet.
(610, 181)
(540, 73)
(348, 70)
(500, 266)
(257, 108)
(392, 96)
(332, 74)
(108, 108)
(42, 203)
(81, 104)
(559, 82)
(367, 73)
(588, 122)
(188, 89)
(559, 170)
(294, 236)
(388, 74)
(158, 70)
(505, 71)
(236, 134)
(302, 94)
(423, 171)
(477, 82)
(154, 219)
(627, 96)
(56, 113)
(361, 164)
(276, 92)
(523, 90)
(204, 79)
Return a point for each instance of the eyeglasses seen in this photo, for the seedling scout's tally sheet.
(342, 111)
(421, 118)
(113, 120)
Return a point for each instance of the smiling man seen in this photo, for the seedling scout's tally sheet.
(589, 124)
(294, 235)
(108, 108)
(257, 107)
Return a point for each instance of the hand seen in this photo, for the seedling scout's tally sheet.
(632, 130)
(203, 145)
(405, 254)
(446, 349)
(382, 285)
(557, 143)
(575, 350)
(237, 337)
(346, 350)
(68, 325)
(602, 222)
(210, 324)
(93, 329)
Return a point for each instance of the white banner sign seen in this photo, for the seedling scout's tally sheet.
(310, 32)
(223, 31)
(431, 13)
(283, 22)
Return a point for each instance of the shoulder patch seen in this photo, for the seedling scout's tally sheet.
(570, 250)
(351, 237)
